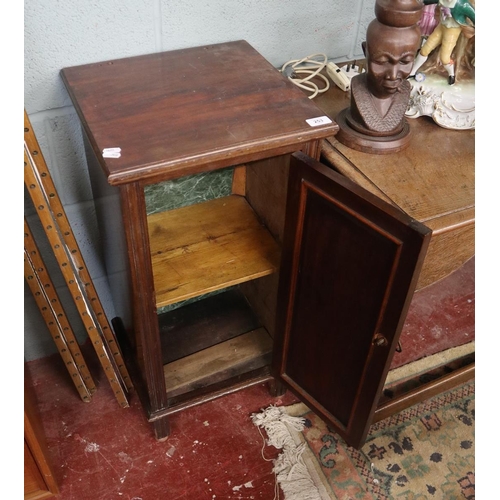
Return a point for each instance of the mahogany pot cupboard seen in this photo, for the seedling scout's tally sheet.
(233, 254)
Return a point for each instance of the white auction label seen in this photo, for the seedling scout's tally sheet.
(111, 152)
(321, 120)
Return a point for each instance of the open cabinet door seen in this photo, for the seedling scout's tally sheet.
(349, 267)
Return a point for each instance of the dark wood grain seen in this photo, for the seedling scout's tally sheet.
(147, 338)
(349, 268)
(190, 110)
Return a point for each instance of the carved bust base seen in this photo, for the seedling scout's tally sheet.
(362, 127)
(360, 141)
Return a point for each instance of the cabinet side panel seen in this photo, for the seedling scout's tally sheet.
(112, 239)
(266, 191)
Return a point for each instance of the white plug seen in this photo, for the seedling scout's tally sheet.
(338, 76)
(351, 70)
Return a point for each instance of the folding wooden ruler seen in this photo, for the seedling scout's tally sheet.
(50, 306)
(65, 247)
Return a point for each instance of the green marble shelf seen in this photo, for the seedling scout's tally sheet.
(188, 190)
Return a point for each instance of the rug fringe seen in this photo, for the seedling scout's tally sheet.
(291, 471)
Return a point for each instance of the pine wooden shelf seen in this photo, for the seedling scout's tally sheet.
(206, 247)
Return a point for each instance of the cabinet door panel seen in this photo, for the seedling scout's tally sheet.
(349, 268)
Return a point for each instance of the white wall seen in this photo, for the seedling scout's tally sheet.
(62, 33)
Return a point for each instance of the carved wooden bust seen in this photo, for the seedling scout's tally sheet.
(375, 121)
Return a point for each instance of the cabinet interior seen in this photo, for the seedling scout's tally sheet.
(215, 269)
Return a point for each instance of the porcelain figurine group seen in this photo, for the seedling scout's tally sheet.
(455, 17)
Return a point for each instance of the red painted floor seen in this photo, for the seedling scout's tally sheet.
(440, 316)
(100, 451)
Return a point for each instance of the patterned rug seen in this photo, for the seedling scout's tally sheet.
(425, 452)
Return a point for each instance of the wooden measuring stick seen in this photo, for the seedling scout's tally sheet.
(56, 225)
(50, 307)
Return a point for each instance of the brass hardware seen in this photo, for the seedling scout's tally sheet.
(379, 340)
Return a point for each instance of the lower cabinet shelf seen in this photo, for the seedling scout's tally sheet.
(211, 341)
(233, 357)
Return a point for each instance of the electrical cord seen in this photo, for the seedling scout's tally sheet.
(309, 66)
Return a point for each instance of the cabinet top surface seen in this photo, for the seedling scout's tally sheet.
(173, 110)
